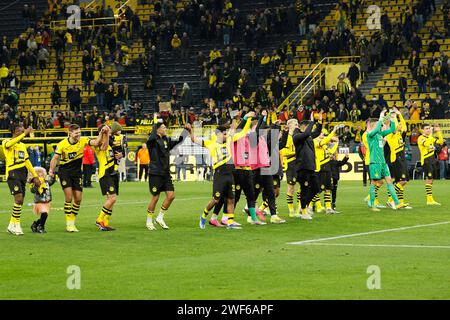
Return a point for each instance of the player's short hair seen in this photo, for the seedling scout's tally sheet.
(292, 121)
(426, 125)
(73, 127)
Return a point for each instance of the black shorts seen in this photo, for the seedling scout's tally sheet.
(158, 184)
(429, 167)
(291, 174)
(325, 181)
(277, 181)
(71, 180)
(109, 184)
(17, 186)
(223, 184)
(400, 170)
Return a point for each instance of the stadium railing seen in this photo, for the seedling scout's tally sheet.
(313, 81)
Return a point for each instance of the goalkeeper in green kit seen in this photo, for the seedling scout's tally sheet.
(378, 168)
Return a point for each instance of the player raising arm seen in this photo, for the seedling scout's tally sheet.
(17, 167)
(427, 145)
(69, 153)
(223, 181)
(160, 180)
(378, 168)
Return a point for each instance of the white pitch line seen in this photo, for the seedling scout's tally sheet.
(378, 245)
(370, 232)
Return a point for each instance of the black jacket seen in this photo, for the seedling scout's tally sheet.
(159, 150)
(335, 165)
(304, 147)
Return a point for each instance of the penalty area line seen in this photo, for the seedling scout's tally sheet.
(369, 233)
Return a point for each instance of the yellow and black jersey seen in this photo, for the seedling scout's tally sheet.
(322, 152)
(71, 154)
(16, 157)
(427, 145)
(396, 141)
(366, 145)
(220, 152)
(288, 152)
(105, 160)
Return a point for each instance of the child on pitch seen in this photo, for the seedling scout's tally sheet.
(42, 199)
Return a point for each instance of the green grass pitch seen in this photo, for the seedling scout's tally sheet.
(253, 263)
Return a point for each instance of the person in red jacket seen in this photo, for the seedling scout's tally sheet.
(88, 166)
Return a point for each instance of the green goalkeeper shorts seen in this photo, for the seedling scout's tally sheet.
(379, 171)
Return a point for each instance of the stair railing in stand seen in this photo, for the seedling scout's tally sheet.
(314, 81)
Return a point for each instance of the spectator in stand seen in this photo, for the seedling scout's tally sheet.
(422, 77)
(142, 160)
(55, 94)
(342, 114)
(402, 86)
(99, 89)
(87, 76)
(26, 16)
(127, 97)
(43, 57)
(88, 166)
(346, 137)
(185, 45)
(74, 98)
(176, 45)
(4, 72)
(353, 74)
(186, 96)
(277, 89)
(60, 66)
(414, 112)
(69, 41)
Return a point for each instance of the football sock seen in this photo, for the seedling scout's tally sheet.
(264, 206)
(214, 216)
(150, 216)
(205, 213)
(372, 193)
(391, 189)
(290, 202)
(68, 211)
(327, 198)
(75, 210)
(429, 191)
(43, 219)
(15, 216)
(400, 192)
(230, 217)
(389, 195)
(299, 202)
(252, 212)
(162, 212)
(107, 214)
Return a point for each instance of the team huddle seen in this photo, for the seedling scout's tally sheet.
(247, 155)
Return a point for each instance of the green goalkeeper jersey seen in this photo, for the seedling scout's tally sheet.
(376, 142)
